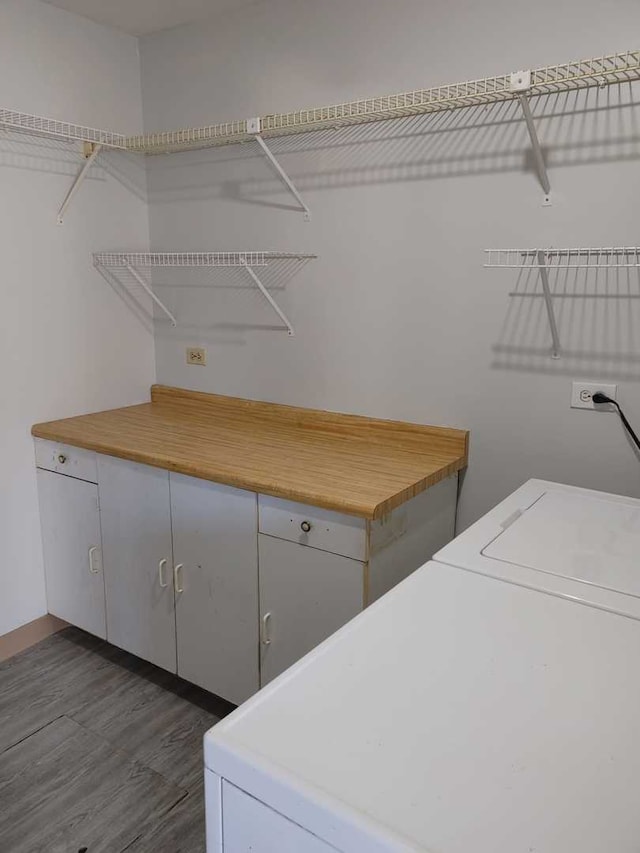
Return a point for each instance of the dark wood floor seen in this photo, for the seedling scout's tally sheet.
(100, 752)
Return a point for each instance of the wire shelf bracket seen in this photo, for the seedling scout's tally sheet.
(254, 126)
(91, 153)
(548, 301)
(520, 83)
(263, 290)
(147, 287)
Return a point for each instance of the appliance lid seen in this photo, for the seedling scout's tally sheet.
(576, 536)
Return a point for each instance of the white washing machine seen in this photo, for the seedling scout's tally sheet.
(574, 543)
(490, 703)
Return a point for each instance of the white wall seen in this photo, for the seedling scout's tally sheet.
(398, 318)
(68, 342)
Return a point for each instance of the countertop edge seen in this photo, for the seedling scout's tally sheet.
(174, 399)
(369, 512)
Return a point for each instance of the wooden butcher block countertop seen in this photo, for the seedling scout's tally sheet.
(351, 464)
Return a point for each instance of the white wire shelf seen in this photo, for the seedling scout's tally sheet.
(544, 261)
(550, 79)
(131, 262)
(194, 259)
(94, 141)
(61, 130)
(577, 258)
(168, 141)
(599, 71)
(522, 85)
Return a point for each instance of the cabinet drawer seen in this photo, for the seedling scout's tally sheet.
(318, 528)
(64, 459)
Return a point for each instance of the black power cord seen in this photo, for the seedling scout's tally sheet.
(599, 397)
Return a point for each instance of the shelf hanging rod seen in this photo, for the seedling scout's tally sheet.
(254, 126)
(263, 290)
(136, 275)
(93, 150)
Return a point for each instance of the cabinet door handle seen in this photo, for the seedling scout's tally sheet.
(176, 578)
(162, 565)
(92, 552)
(266, 639)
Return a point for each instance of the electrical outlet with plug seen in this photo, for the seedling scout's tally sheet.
(582, 395)
(603, 398)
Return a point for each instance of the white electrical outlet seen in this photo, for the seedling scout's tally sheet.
(582, 394)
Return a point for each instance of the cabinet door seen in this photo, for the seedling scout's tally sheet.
(215, 546)
(70, 524)
(305, 595)
(136, 540)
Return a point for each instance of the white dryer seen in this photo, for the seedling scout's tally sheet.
(488, 703)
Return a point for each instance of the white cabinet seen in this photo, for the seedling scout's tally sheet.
(319, 569)
(137, 556)
(223, 586)
(214, 545)
(305, 595)
(70, 523)
(181, 574)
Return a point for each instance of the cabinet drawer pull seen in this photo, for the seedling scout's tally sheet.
(176, 578)
(92, 552)
(62, 458)
(305, 526)
(266, 639)
(162, 565)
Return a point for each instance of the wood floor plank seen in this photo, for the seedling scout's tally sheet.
(58, 676)
(64, 787)
(182, 830)
(156, 727)
(39, 684)
(159, 719)
(78, 703)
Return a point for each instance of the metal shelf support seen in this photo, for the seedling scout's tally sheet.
(92, 151)
(548, 301)
(147, 287)
(263, 290)
(254, 125)
(521, 84)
